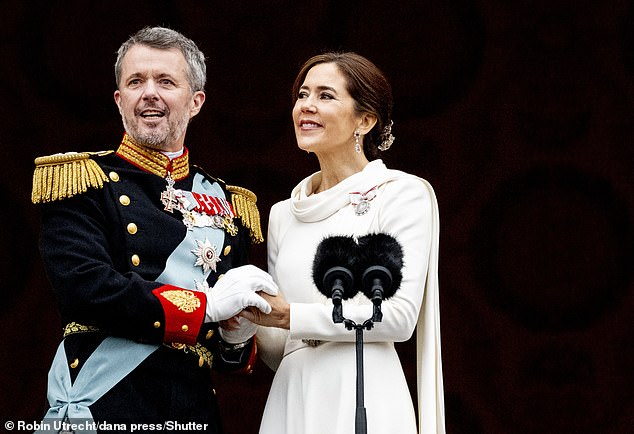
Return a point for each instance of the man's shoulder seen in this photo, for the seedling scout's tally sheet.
(244, 203)
(64, 175)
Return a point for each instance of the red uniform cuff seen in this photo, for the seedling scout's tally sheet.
(184, 313)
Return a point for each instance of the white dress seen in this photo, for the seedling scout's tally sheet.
(314, 388)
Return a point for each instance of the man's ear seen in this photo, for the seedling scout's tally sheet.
(198, 99)
(117, 99)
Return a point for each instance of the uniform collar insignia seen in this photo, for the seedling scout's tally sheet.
(153, 161)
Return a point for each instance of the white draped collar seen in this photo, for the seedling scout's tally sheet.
(309, 207)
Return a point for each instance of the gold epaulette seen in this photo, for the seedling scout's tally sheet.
(244, 204)
(61, 176)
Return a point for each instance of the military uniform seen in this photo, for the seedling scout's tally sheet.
(130, 242)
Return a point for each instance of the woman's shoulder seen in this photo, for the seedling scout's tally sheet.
(280, 210)
(405, 180)
(281, 205)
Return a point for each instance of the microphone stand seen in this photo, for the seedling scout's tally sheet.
(360, 421)
(341, 276)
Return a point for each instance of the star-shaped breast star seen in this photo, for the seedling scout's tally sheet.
(206, 255)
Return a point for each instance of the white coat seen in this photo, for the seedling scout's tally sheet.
(314, 388)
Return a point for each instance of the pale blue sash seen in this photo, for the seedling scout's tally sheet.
(113, 359)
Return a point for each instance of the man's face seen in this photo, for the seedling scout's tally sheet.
(154, 97)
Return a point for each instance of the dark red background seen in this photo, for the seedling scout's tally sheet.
(518, 112)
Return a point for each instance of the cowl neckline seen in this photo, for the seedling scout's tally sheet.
(309, 207)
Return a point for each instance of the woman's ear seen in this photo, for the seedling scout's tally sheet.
(368, 121)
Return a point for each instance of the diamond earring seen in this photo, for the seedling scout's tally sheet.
(357, 145)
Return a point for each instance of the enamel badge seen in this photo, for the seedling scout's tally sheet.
(361, 201)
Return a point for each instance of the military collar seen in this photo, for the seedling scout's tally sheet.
(153, 161)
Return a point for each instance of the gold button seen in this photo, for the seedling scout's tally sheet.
(157, 324)
(209, 334)
(184, 328)
(75, 363)
(135, 260)
(124, 200)
(227, 250)
(201, 361)
(132, 228)
(220, 276)
(214, 391)
(114, 176)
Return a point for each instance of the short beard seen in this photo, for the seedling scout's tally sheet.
(156, 139)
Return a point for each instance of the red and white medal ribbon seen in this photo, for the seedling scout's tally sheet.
(361, 201)
(199, 209)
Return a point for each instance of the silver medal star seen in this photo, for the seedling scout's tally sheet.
(206, 255)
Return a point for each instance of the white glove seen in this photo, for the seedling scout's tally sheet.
(245, 331)
(236, 290)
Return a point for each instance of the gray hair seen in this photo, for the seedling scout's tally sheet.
(164, 38)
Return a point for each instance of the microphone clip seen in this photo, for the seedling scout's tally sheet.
(376, 279)
(340, 280)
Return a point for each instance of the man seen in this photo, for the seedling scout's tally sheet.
(146, 254)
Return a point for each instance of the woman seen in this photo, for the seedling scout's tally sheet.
(342, 114)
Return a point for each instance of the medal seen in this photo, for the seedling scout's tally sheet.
(206, 255)
(217, 221)
(168, 197)
(362, 207)
(361, 201)
(230, 226)
(199, 209)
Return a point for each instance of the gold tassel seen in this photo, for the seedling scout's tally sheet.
(61, 176)
(244, 204)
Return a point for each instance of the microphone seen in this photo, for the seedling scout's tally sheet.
(380, 262)
(333, 268)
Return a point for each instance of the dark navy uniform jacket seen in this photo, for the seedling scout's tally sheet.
(104, 249)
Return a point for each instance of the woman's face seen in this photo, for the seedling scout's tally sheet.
(324, 115)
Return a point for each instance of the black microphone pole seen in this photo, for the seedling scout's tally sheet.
(360, 418)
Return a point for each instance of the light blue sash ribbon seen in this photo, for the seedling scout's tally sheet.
(113, 359)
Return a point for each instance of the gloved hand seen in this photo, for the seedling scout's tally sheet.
(244, 331)
(236, 290)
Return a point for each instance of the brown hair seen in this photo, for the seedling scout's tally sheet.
(367, 86)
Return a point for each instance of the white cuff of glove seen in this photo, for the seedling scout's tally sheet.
(243, 333)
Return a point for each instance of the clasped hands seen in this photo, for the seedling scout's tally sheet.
(240, 300)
